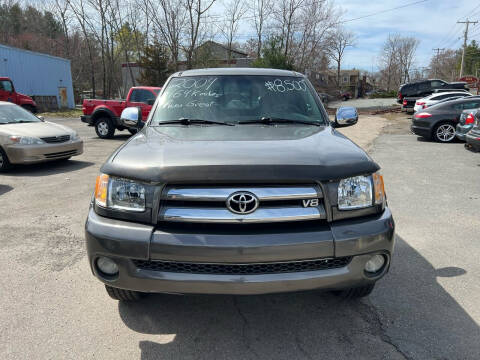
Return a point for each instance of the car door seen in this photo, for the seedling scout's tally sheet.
(144, 99)
(6, 91)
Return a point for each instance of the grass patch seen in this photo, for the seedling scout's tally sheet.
(62, 113)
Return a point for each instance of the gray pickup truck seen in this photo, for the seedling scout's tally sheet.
(238, 183)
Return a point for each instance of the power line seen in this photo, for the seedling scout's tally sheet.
(383, 11)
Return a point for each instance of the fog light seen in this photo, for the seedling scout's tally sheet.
(107, 266)
(375, 263)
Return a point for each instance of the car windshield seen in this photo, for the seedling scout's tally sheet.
(234, 98)
(11, 114)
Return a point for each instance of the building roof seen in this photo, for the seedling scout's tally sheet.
(33, 52)
(223, 47)
(238, 71)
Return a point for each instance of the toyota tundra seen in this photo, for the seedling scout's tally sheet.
(238, 183)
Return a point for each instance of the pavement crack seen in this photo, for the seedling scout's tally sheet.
(245, 326)
(369, 313)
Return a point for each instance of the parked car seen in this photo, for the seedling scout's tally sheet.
(473, 136)
(424, 88)
(430, 100)
(246, 188)
(27, 139)
(466, 122)
(8, 93)
(105, 114)
(439, 121)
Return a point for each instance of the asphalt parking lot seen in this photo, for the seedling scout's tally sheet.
(427, 307)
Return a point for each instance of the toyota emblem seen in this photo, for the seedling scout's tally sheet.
(242, 202)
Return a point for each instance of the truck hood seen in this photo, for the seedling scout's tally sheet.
(242, 153)
(37, 129)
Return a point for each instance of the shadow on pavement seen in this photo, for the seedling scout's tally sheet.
(48, 168)
(5, 188)
(409, 315)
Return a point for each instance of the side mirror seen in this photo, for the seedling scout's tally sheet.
(131, 117)
(346, 116)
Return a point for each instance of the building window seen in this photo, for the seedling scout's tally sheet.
(345, 79)
(323, 78)
(317, 76)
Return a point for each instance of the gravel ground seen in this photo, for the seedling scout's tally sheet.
(426, 307)
(365, 104)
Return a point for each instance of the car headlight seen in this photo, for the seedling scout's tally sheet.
(74, 136)
(26, 140)
(120, 194)
(360, 192)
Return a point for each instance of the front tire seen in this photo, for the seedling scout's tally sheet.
(104, 128)
(356, 292)
(444, 132)
(123, 295)
(4, 162)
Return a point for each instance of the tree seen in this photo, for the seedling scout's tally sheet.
(196, 9)
(444, 65)
(234, 11)
(155, 64)
(339, 40)
(260, 11)
(273, 56)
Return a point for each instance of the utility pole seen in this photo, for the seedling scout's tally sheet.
(465, 37)
(436, 60)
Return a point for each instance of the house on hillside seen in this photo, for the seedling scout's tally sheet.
(213, 54)
(326, 81)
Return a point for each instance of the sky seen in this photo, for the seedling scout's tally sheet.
(433, 22)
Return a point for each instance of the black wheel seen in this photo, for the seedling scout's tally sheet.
(356, 292)
(132, 131)
(104, 128)
(123, 295)
(30, 108)
(4, 162)
(444, 132)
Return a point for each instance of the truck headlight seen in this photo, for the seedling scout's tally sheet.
(26, 140)
(360, 192)
(120, 194)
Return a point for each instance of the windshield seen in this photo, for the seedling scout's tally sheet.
(232, 99)
(15, 114)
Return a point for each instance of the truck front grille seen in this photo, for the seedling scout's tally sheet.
(241, 204)
(56, 139)
(243, 269)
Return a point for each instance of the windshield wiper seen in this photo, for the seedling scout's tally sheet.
(274, 120)
(17, 122)
(187, 121)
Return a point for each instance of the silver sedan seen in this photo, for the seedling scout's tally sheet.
(26, 138)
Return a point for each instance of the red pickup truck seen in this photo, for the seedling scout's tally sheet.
(105, 114)
(8, 93)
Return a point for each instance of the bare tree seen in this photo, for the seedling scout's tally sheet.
(234, 11)
(339, 40)
(406, 55)
(260, 11)
(444, 65)
(169, 18)
(287, 18)
(196, 9)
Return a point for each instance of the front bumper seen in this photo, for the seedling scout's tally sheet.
(87, 119)
(420, 130)
(125, 241)
(30, 154)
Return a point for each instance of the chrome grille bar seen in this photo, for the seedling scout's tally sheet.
(263, 193)
(261, 215)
